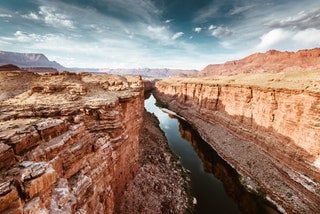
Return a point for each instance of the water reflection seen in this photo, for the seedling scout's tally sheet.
(213, 163)
(214, 183)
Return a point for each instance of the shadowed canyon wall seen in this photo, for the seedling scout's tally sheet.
(68, 142)
(269, 135)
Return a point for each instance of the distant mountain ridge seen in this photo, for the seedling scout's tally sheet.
(28, 60)
(38, 62)
(272, 61)
(151, 72)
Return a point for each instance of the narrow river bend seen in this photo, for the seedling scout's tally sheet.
(214, 183)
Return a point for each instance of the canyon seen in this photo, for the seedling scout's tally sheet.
(82, 143)
(266, 126)
(69, 142)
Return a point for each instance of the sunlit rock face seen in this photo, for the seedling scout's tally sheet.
(68, 142)
(268, 133)
(271, 61)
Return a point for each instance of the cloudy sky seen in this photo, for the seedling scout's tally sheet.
(156, 33)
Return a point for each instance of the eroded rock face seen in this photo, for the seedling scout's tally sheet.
(271, 61)
(68, 142)
(269, 135)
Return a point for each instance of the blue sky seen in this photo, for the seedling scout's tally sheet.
(187, 34)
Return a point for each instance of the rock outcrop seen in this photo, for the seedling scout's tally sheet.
(268, 132)
(271, 61)
(68, 142)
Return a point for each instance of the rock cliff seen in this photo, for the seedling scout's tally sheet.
(271, 61)
(265, 126)
(68, 142)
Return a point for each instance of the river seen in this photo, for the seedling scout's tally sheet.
(214, 183)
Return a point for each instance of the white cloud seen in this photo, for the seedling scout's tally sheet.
(221, 32)
(309, 37)
(159, 33)
(5, 16)
(238, 10)
(197, 29)
(211, 27)
(31, 15)
(53, 18)
(273, 38)
(168, 21)
(24, 37)
(177, 35)
(157, 29)
(144, 10)
(206, 13)
(303, 20)
(289, 39)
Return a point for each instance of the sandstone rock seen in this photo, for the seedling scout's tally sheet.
(268, 134)
(271, 61)
(65, 154)
(7, 156)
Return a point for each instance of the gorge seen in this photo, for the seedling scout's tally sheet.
(259, 124)
(81, 143)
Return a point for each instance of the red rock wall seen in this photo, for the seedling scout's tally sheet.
(69, 156)
(271, 61)
(282, 124)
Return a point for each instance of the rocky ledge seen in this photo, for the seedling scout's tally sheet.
(266, 126)
(68, 142)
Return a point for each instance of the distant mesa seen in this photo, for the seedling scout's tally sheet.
(9, 67)
(28, 60)
(272, 61)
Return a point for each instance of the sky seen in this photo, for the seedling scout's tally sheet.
(185, 34)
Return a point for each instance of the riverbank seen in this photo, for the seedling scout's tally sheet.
(160, 185)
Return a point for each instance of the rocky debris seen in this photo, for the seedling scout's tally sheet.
(267, 134)
(159, 186)
(271, 61)
(69, 142)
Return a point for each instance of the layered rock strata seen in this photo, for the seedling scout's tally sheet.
(69, 142)
(270, 135)
(271, 61)
(160, 185)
